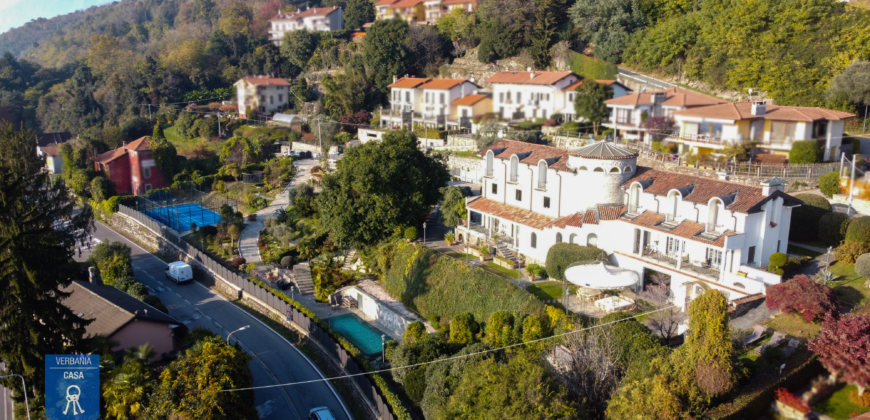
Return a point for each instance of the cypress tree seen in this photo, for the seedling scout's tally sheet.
(158, 132)
(38, 235)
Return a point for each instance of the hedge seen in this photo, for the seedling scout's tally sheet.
(392, 399)
(805, 151)
(830, 184)
(561, 255)
(439, 286)
(756, 396)
(862, 266)
(833, 227)
(808, 214)
(859, 230)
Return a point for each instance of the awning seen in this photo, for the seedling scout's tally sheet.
(597, 275)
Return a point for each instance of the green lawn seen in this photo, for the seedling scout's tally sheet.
(799, 250)
(183, 146)
(499, 270)
(838, 406)
(547, 290)
(460, 256)
(794, 326)
(851, 287)
(265, 132)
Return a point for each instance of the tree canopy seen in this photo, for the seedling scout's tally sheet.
(589, 102)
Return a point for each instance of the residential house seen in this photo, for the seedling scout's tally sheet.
(772, 127)
(383, 11)
(467, 5)
(568, 112)
(468, 106)
(628, 113)
(433, 10)
(47, 145)
(132, 168)
(410, 11)
(311, 19)
(427, 102)
(122, 318)
(703, 233)
(522, 95)
(261, 95)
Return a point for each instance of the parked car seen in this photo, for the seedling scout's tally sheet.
(320, 413)
(179, 272)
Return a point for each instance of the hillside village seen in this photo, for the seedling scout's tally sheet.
(439, 209)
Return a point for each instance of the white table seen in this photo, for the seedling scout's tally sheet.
(613, 303)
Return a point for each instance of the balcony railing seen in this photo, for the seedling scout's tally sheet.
(702, 268)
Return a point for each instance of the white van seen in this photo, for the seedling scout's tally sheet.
(179, 272)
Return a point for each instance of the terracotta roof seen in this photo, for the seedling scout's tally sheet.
(530, 153)
(317, 11)
(385, 2)
(405, 3)
(674, 97)
(590, 218)
(574, 85)
(738, 197)
(46, 139)
(50, 150)
(604, 150)
(135, 145)
(409, 82)
(459, 1)
(265, 80)
(524, 77)
(508, 212)
(469, 100)
(687, 229)
(610, 213)
(575, 220)
(110, 308)
(743, 111)
(445, 83)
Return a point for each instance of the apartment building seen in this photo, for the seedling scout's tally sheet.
(311, 19)
(425, 101)
(568, 112)
(628, 113)
(703, 233)
(522, 95)
(261, 95)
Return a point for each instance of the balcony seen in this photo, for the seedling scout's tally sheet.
(701, 268)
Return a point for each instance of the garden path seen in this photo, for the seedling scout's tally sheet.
(248, 240)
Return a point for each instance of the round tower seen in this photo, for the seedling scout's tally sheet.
(601, 170)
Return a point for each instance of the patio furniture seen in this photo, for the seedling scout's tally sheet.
(775, 341)
(613, 304)
(756, 334)
(586, 294)
(791, 347)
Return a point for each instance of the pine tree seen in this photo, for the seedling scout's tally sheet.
(38, 235)
(158, 132)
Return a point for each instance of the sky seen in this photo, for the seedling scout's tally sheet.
(15, 13)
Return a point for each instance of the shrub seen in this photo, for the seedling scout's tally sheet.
(500, 329)
(449, 237)
(808, 214)
(862, 265)
(156, 303)
(805, 151)
(833, 228)
(238, 262)
(859, 230)
(252, 217)
(415, 384)
(286, 261)
(778, 259)
(536, 270)
(206, 231)
(849, 251)
(410, 233)
(415, 332)
(830, 184)
(407, 354)
(561, 255)
(801, 295)
(536, 327)
(484, 251)
(463, 328)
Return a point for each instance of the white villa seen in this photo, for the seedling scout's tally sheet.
(261, 95)
(703, 233)
(627, 112)
(312, 19)
(428, 102)
(619, 90)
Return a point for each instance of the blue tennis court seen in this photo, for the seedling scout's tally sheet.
(181, 216)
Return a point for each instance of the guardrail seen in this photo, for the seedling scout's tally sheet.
(334, 347)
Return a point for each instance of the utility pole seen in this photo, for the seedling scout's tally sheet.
(864, 129)
(149, 111)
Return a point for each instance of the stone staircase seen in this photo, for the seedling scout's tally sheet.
(302, 278)
(349, 259)
(503, 250)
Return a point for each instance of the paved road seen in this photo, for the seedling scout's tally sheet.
(276, 360)
(5, 404)
(644, 79)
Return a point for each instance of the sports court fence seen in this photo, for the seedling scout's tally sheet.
(178, 208)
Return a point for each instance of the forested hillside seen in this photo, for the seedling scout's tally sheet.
(34, 33)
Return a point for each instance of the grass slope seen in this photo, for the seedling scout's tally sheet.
(184, 146)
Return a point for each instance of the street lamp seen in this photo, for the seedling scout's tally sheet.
(383, 349)
(240, 329)
(24, 389)
(424, 233)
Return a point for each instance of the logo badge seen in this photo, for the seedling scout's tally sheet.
(72, 387)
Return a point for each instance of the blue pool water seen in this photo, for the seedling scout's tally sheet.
(362, 335)
(181, 216)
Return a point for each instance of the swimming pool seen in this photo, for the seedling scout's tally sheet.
(181, 216)
(366, 337)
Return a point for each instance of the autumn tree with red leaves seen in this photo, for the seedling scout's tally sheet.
(843, 347)
(801, 295)
(350, 123)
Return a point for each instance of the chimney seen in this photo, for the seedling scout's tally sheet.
(395, 78)
(93, 276)
(472, 80)
(723, 176)
(759, 109)
(773, 184)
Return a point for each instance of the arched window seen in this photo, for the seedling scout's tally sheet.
(558, 238)
(627, 170)
(713, 214)
(542, 174)
(573, 238)
(634, 198)
(489, 159)
(598, 170)
(515, 168)
(582, 168)
(592, 240)
(673, 206)
(740, 285)
(534, 241)
(614, 170)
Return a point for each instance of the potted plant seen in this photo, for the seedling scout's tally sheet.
(449, 238)
(484, 252)
(535, 271)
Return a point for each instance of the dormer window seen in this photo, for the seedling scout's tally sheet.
(713, 215)
(542, 175)
(489, 162)
(673, 207)
(634, 199)
(515, 169)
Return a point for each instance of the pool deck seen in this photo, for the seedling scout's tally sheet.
(325, 311)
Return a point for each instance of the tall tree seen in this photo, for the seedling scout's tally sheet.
(380, 186)
(298, 46)
(708, 344)
(158, 133)
(852, 85)
(39, 233)
(452, 206)
(358, 12)
(385, 52)
(589, 102)
(844, 348)
(607, 24)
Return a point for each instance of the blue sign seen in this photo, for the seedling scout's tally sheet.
(72, 386)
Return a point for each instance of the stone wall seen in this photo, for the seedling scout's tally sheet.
(465, 168)
(305, 147)
(811, 183)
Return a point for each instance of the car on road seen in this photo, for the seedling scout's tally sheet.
(320, 413)
(179, 272)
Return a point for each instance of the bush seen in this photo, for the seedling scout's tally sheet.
(156, 303)
(536, 270)
(862, 265)
(415, 384)
(833, 227)
(536, 327)
(849, 251)
(561, 255)
(500, 330)
(411, 233)
(805, 151)
(778, 259)
(808, 214)
(449, 237)
(830, 184)
(205, 231)
(803, 296)
(859, 230)
(286, 262)
(238, 262)
(463, 329)
(415, 332)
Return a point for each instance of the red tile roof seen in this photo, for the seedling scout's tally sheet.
(574, 85)
(409, 82)
(469, 100)
(508, 212)
(675, 97)
(524, 77)
(743, 111)
(575, 220)
(385, 2)
(533, 153)
(405, 3)
(265, 80)
(444, 83)
(610, 213)
(50, 150)
(459, 2)
(687, 229)
(135, 145)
